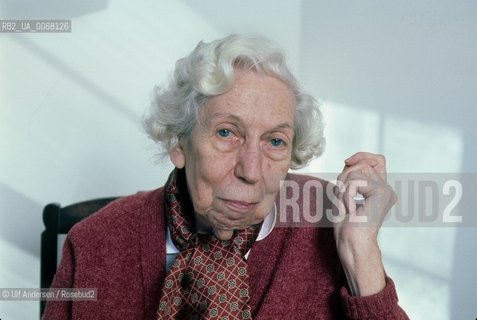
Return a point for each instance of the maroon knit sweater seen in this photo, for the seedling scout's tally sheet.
(294, 273)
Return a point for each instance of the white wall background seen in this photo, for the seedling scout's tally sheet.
(397, 78)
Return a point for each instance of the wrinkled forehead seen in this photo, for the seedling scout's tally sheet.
(253, 96)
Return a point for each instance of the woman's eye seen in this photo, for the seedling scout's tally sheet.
(224, 133)
(276, 142)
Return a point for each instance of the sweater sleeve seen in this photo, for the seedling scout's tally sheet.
(64, 278)
(382, 305)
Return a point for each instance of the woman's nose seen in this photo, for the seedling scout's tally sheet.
(249, 163)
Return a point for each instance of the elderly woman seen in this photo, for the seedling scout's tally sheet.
(210, 244)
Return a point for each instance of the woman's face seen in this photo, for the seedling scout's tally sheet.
(238, 152)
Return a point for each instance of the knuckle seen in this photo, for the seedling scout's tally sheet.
(393, 197)
(381, 158)
(354, 175)
(340, 178)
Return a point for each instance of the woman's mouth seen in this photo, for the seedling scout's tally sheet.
(240, 206)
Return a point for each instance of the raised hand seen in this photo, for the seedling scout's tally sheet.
(357, 229)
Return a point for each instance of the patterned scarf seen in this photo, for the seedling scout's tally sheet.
(208, 278)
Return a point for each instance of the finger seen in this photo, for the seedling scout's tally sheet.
(343, 184)
(362, 167)
(372, 170)
(338, 207)
(358, 184)
(361, 155)
(377, 161)
(348, 197)
(353, 180)
(367, 167)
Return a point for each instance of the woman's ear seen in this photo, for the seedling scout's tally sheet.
(177, 157)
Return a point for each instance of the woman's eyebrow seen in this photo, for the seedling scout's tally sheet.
(229, 116)
(284, 125)
(225, 115)
(221, 115)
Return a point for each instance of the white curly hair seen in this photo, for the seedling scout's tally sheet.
(209, 71)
